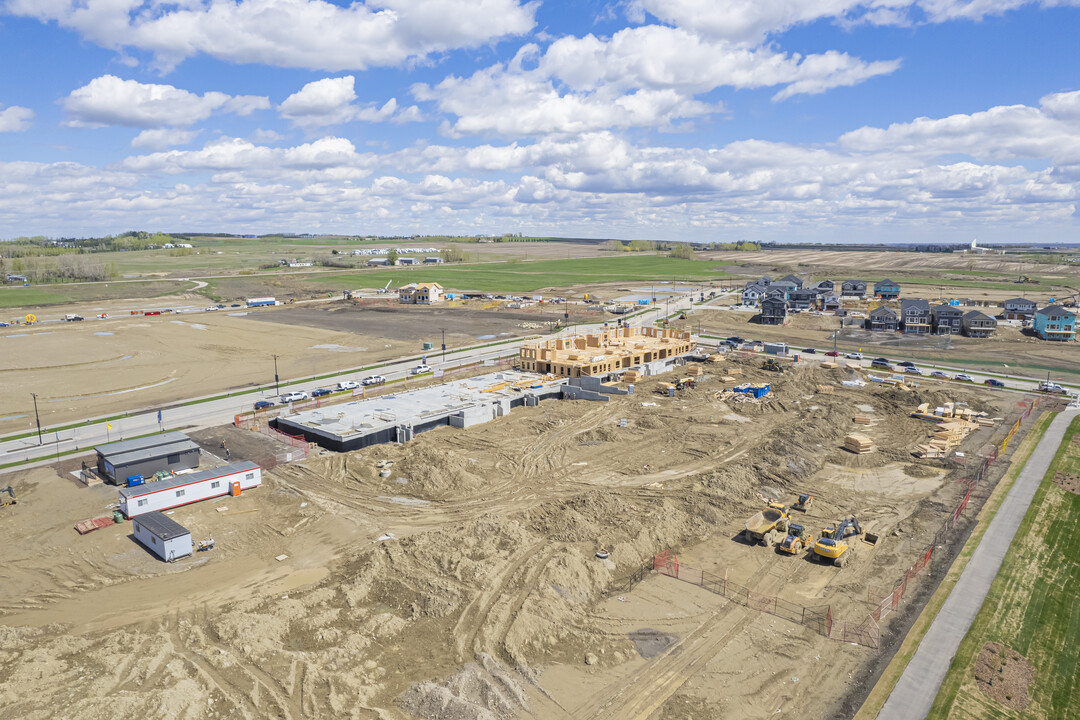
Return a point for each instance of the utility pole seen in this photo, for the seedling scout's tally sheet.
(277, 387)
(37, 419)
(444, 344)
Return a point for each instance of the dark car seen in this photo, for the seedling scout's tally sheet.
(905, 363)
(263, 404)
(993, 382)
(810, 351)
(735, 339)
(882, 360)
(320, 392)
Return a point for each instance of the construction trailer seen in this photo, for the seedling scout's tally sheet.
(163, 536)
(189, 488)
(171, 451)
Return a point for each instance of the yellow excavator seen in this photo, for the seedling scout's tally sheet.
(768, 526)
(7, 497)
(834, 543)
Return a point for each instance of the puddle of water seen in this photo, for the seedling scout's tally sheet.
(410, 502)
(20, 335)
(486, 337)
(13, 417)
(105, 333)
(237, 314)
(338, 348)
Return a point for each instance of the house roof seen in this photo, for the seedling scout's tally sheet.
(1054, 311)
(854, 282)
(791, 278)
(754, 287)
(886, 281)
(976, 315)
(917, 303)
(880, 311)
(939, 309)
(1019, 301)
(773, 300)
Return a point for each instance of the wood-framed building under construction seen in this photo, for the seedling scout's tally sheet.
(609, 351)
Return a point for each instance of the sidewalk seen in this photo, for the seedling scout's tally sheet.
(917, 688)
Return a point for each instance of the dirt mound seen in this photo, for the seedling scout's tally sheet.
(474, 692)
(430, 471)
(919, 472)
(601, 434)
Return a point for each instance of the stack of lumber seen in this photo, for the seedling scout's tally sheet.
(825, 389)
(734, 371)
(693, 371)
(716, 358)
(858, 444)
(863, 420)
(727, 379)
(987, 422)
(631, 376)
(829, 365)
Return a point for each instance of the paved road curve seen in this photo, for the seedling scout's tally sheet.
(914, 694)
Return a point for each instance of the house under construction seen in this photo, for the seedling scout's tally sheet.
(603, 353)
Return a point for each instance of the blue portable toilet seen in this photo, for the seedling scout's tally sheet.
(135, 480)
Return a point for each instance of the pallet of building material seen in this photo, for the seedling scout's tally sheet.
(858, 444)
(716, 358)
(928, 451)
(694, 371)
(829, 365)
(728, 379)
(734, 371)
(631, 376)
(863, 420)
(825, 389)
(987, 422)
(89, 526)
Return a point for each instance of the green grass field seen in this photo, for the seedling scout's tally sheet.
(1033, 607)
(56, 294)
(534, 275)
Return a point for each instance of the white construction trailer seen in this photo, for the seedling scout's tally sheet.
(189, 488)
(163, 536)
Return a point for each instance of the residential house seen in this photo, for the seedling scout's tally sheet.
(1019, 309)
(915, 316)
(752, 294)
(797, 282)
(765, 280)
(785, 286)
(823, 286)
(978, 325)
(773, 311)
(883, 319)
(1054, 323)
(853, 288)
(829, 302)
(421, 294)
(947, 319)
(887, 289)
(802, 299)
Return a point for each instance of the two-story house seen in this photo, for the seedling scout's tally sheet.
(1054, 323)
(773, 311)
(947, 320)
(823, 286)
(915, 316)
(753, 293)
(978, 324)
(802, 299)
(887, 289)
(421, 294)
(1019, 309)
(883, 319)
(797, 282)
(853, 288)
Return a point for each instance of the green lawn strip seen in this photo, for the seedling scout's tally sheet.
(1046, 542)
(885, 684)
(74, 451)
(527, 276)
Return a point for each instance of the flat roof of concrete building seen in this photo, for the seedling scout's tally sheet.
(416, 407)
(152, 453)
(125, 446)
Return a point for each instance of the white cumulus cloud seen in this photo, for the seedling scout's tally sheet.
(15, 118)
(109, 100)
(161, 138)
(313, 34)
(330, 102)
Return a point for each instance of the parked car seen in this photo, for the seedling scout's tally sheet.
(854, 356)
(905, 363)
(348, 385)
(993, 382)
(881, 360)
(374, 380)
(294, 396)
(263, 404)
(940, 374)
(735, 339)
(211, 308)
(963, 377)
(833, 353)
(320, 392)
(810, 351)
(912, 370)
(881, 364)
(420, 370)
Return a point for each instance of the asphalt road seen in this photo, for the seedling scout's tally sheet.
(917, 688)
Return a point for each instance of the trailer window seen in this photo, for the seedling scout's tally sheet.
(153, 539)
(249, 476)
(180, 493)
(215, 485)
(143, 502)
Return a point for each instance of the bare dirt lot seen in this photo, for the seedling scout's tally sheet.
(466, 584)
(101, 367)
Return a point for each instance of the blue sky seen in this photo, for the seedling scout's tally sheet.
(823, 121)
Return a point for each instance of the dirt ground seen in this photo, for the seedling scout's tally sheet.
(102, 367)
(465, 584)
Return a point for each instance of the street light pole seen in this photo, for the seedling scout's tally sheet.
(277, 387)
(37, 419)
(444, 344)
